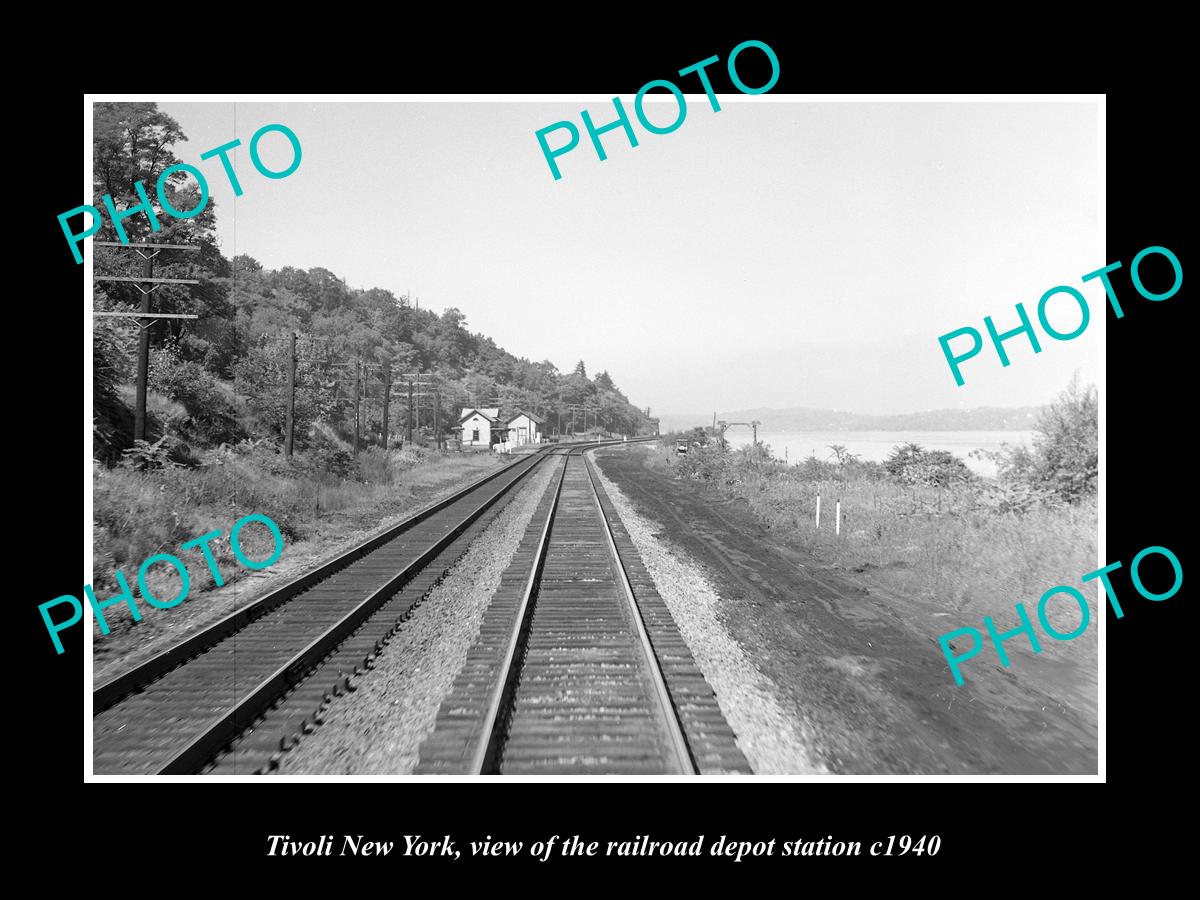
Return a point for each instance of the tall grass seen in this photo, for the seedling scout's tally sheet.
(138, 513)
(958, 549)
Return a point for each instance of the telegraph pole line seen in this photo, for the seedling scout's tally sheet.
(584, 408)
(361, 398)
(418, 380)
(145, 313)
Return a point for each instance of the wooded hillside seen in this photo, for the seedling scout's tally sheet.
(222, 378)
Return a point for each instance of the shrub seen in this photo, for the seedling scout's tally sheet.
(1065, 443)
(1015, 497)
(1063, 464)
(112, 420)
(333, 460)
(144, 455)
(912, 464)
(813, 469)
(210, 415)
(709, 462)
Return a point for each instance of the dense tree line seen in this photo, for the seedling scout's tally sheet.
(222, 378)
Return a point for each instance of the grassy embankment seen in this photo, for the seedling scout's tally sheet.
(961, 551)
(316, 500)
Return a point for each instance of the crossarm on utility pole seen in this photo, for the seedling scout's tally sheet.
(142, 315)
(148, 280)
(189, 247)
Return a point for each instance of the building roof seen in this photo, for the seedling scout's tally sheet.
(532, 417)
(492, 415)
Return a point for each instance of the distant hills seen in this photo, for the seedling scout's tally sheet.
(984, 418)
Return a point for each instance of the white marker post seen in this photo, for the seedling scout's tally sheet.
(818, 510)
(837, 528)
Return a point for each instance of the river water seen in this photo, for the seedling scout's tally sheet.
(877, 445)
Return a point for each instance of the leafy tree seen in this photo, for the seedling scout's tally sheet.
(1064, 459)
(1066, 442)
(262, 379)
(843, 455)
(132, 142)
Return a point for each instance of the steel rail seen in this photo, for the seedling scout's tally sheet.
(679, 744)
(227, 726)
(485, 757)
(487, 750)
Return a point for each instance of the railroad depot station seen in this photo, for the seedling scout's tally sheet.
(486, 428)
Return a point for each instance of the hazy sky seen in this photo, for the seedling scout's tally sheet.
(775, 253)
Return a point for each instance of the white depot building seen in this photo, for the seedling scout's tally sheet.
(477, 426)
(525, 428)
(484, 428)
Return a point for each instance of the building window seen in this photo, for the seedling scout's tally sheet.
(475, 436)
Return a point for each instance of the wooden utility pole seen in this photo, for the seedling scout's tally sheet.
(417, 381)
(143, 358)
(409, 422)
(357, 402)
(437, 419)
(387, 399)
(289, 426)
(146, 318)
(289, 438)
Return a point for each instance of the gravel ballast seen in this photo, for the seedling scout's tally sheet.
(774, 742)
(379, 728)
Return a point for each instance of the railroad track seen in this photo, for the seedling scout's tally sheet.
(234, 696)
(579, 667)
